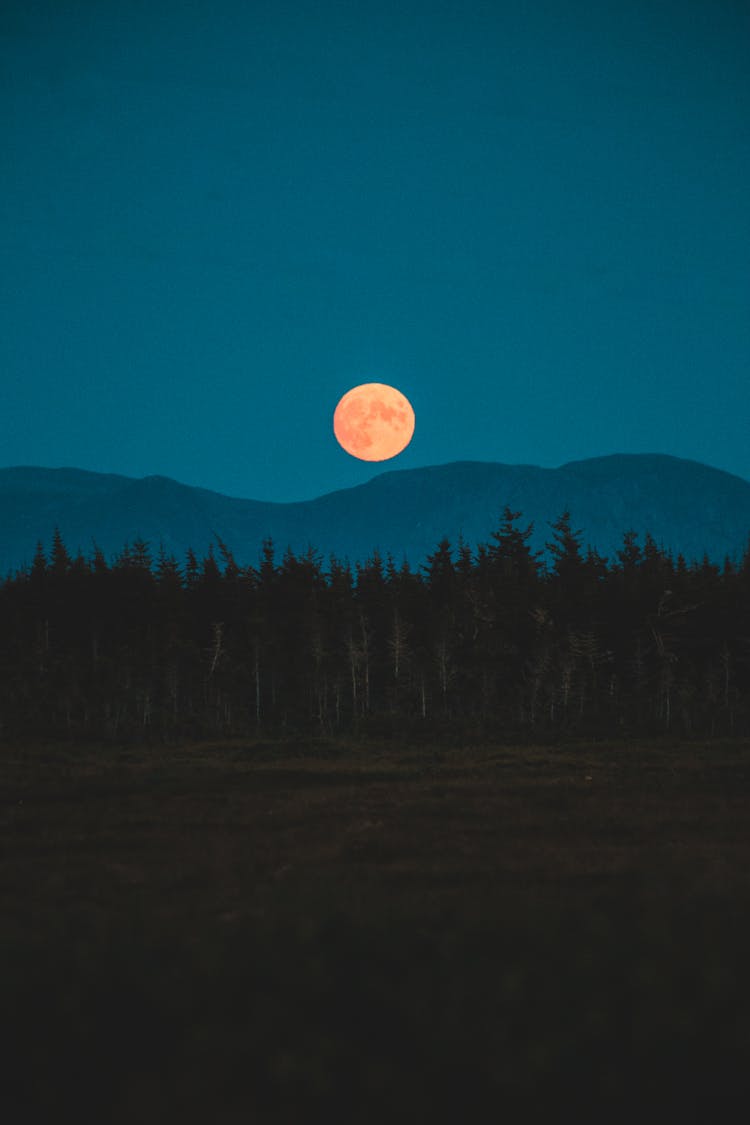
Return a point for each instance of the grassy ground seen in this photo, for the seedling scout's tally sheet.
(320, 931)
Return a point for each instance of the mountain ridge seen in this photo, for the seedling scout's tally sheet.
(688, 507)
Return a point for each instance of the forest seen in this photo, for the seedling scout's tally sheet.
(494, 641)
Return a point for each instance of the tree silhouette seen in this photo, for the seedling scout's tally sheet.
(145, 647)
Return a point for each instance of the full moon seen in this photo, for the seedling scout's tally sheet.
(373, 422)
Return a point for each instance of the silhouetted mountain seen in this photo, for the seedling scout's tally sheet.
(688, 507)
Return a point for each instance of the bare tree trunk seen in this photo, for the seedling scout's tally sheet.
(353, 652)
(256, 671)
(217, 648)
(366, 659)
(397, 643)
(444, 671)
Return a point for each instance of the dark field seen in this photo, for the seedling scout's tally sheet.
(321, 931)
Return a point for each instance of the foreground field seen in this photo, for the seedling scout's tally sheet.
(296, 932)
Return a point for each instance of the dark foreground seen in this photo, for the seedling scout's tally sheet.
(294, 933)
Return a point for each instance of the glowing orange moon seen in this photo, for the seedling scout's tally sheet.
(373, 422)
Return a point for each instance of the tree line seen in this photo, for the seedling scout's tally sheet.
(498, 640)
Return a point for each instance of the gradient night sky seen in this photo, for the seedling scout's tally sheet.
(216, 217)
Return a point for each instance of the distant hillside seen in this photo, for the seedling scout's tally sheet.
(688, 507)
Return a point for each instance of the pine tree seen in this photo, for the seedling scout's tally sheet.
(60, 560)
(38, 571)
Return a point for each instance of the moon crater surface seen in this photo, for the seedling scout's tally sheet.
(374, 422)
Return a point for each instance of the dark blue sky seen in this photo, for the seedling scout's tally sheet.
(216, 217)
